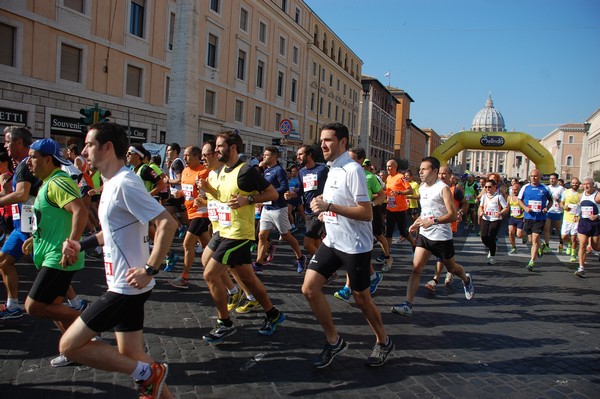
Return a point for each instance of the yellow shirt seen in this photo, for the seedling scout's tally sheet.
(235, 224)
(571, 200)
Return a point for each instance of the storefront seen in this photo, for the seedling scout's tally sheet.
(67, 131)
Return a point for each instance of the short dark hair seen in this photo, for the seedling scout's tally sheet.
(273, 150)
(195, 151)
(309, 150)
(175, 147)
(359, 151)
(554, 174)
(156, 159)
(435, 163)
(20, 132)
(212, 143)
(74, 148)
(341, 131)
(117, 135)
(233, 138)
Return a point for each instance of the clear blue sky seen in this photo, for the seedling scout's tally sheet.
(540, 59)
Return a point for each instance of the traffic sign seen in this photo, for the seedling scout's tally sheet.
(285, 127)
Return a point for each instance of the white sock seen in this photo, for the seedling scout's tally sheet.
(142, 372)
(12, 303)
(233, 291)
(250, 297)
(75, 302)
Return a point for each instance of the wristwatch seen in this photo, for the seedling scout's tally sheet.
(435, 221)
(150, 271)
(250, 199)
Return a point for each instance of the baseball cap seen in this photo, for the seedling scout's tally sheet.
(366, 162)
(49, 147)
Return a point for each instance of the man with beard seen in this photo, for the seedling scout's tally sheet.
(570, 203)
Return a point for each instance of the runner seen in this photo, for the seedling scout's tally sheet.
(570, 203)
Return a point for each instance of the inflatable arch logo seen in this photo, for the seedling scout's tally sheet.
(517, 141)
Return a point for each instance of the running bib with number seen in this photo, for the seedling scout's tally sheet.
(310, 182)
(213, 213)
(535, 206)
(427, 215)
(224, 212)
(573, 209)
(108, 264)
(587, 212)
(391, 200)
(515, 210)
(188, 191)
(28, 219)
(15, 212)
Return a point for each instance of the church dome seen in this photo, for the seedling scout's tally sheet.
(488, 119)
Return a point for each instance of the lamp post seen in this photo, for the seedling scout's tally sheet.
(363, 138)
(558, 159)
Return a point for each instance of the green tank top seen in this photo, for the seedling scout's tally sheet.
(470, 193)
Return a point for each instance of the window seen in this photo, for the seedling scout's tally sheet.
(321, 106)
(134, 81)
(312, 102)
(262, 32)
(7, 45)
(211, 57)
(281, 45)
(244, 20)
(70, 63)
(569, 160)
(260, 74)
(297, 16)
(314, 69)
(209, 102)
(215, 5)
(239, 111)
(571, 139)
(171, 30)
(258, 116)
(330, 80)
(167, 89)
(136, 19)
(284, 5)
(329, 109)
(280, 79)
(323, 75)
(295, 52)
(76, 5)
(294, 88)
(241, 66)
(278, 118)
(338, 85)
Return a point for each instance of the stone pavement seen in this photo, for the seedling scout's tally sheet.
(524, 335)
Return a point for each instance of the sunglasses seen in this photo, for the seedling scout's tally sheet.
(489, 186)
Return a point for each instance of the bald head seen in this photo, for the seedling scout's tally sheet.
(392, 167)
(444, 174)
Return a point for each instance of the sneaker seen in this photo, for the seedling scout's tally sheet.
(404, 309)
(181, 231)
(11, 314)
(530, 266)
(271, 253)
(293, 229)
(489, 255)
(170, 262)
(179, 282)
(380, 354)
(344, 294)
(387, 266)
(580, 273)
(153, 386)
(568, 250)
(269, 325)
(541, 250)
(247, 306)
(329, 352)
(449, 278)
(257, 268)
(375, 282)
(233, 300)
(513, 250)
(431, 285)
(573, 259)
(546, 249)
(83, 306)
(219, 333)
(60, 361)
(380, 258)
(198, 249)
(491, 261)
(301, 264)
(469, 289)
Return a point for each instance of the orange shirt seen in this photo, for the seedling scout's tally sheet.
(454, 224)
(396, 203)
(189, 177)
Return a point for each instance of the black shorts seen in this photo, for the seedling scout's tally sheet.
(50, 284)
(517, 222)
(472, 207)
(358, 266)
(124, 313)
(96, 198)
(414, 211)
(233, 252)
(394, 219)
(163, 195)
(589, 228)
(215, 241)
(177, 203)
(533, 226)
(198, 226)
(443, 250)
(377, 222)
(314, 227)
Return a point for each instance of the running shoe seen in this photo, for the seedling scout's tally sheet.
(380, 258)
(568, 250)
(489, 255)
(431, 286)
(449, 279)
(344, 294)
(293, 229)
(219, 333)
(170, 262)
(404, 309)
(491, 261)
(181, 231)
(233, 300)
(301, 264)
(82, 306)
(375, 282)
(257, 268)
(60, 361)
(329, 352)
(387, 266)
(546, 249)
(513, 250)
(269, 325)
(541, 250)
(530, 266)
(247, 306)
(153, 386)
(179, 282)
(580, 273)
(573, 258)
(380, 354)
(469, 289)
(271, 253)
(11, 314)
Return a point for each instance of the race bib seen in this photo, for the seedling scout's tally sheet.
(573, 209)
(536, 206)
(15, 212)
(515, 210)
(188, 191)
(310, 182)
(213, 213)
(224, 212)
(587, 212)
(391, 200)
(427, 215)
(108, 264)
(28, 219)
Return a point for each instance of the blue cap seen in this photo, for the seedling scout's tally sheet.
(49, 147)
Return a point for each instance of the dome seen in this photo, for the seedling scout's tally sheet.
(488, 119)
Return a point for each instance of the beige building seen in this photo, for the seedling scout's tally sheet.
(565, 144)
(176, 70)
(590, 159)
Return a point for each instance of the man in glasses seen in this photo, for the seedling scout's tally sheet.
(536, 200)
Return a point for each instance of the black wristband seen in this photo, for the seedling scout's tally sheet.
(328, 206)
(89, 242)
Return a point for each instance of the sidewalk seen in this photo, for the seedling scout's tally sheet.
(523, 335)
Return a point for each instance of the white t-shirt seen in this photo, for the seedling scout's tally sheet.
(492, 206)
(433, 207)
(557, 192)
(346, 185)
(125, 209)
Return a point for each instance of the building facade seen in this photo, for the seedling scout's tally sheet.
(565, 144)
(590, 159)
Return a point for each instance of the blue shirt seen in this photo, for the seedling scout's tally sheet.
(536, 198)
(312, 184)
(278, 178)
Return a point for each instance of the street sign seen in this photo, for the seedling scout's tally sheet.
(291, 142)
(285, 127)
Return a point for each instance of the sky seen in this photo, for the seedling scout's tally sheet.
(539, 59)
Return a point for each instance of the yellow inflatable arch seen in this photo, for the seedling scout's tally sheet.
(517, 141)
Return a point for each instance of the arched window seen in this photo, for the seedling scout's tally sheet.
(325, 43)
(570, 160)
(316, 36)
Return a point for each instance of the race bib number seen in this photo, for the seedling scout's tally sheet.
(108, 264)
(28, 219)
(492, 213)
(188, 191)
(573, 209)
(310, 182)
(213, 213)
(427, 215)
(536, 206)
(515, 210)
(587, 212)
(391, 200)
(15, 212)
(224, 212)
